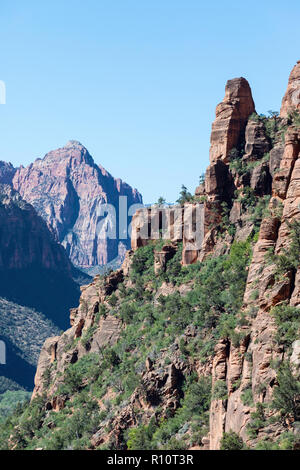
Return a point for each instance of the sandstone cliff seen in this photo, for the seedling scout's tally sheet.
(291, 99)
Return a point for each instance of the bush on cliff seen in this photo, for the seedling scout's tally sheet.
(288, 324)
(286, 397)
(231, 441)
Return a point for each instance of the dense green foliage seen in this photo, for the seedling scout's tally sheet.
(10, 400)
(192, 416)
(231, 441)
(286, 398)
(154, 323)
(288, 324)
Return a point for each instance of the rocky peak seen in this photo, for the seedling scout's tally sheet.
(231, 118)
(291, 99)
(67, 188)
(7, 172)
(71, 154)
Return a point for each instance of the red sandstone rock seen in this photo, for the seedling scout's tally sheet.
(257, 143)
(231, 119)
(291, 99)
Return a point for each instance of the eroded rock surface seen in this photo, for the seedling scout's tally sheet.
(291, 99)
(68, 189)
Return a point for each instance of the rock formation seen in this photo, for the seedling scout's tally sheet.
(67, 189)
(25, 239)
(7, 172)
(291, 100)
(36, 285)
(231, 119)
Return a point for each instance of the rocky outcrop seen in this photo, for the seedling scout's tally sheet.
(70, 191)
(261, 180)
(164, 255)
(291, 100)
(231, 119)
(276, 155)
(7, 172)
(257, 143)
(65, 350)
(283, 174)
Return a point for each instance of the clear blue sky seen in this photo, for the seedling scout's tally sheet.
(137, 81)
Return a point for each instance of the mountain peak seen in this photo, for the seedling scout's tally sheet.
(67, 188)
(74, 144)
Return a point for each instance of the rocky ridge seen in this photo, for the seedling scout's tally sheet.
(35, 276)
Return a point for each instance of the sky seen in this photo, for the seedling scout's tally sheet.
(137, 81)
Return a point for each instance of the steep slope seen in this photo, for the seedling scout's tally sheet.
(291, 99)
(67, 188)
(165, 354)
(35, 276)
(7, 172)
(24, 331)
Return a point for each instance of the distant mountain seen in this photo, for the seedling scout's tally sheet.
(67, 188)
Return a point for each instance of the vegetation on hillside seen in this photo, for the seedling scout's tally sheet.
(154, 323)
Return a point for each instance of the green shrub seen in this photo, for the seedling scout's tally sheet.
(288, 324)
(184, 196)
(113, 300)
(247, 397)
(127, 312)
(139, 438)
(143, 261)
(257, 422)
(231, 441)
(10, 400)
(286, 396)
(220, 391)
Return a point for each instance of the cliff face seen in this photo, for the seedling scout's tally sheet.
(67, 188)
(291, 99)
(181, 349)
(231, 118)
(36, 285)
(25, 240)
